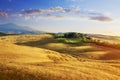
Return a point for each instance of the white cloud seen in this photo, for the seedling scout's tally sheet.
(101, 18)
(77, 0)
(27, 18)
(58, 12)
(10, 0)
(3, 14)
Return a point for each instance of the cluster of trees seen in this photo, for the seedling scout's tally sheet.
(68, 35)
(73, 35)
(81, 36)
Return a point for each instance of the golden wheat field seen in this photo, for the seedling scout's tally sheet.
(41, 57)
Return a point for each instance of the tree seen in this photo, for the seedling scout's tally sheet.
(71, 35)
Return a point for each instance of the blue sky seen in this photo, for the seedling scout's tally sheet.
(87, 16)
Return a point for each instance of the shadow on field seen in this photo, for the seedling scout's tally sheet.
(76, 51)
(38, 43)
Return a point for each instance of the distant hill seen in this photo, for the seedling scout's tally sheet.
(2, 34)
(11, 28)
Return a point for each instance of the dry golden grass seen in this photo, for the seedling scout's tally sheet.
(43, 58)
(25, 38)
(111, 41)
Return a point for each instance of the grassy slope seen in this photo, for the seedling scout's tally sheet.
(108, 39)
(60, 62)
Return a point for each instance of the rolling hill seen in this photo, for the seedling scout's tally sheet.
(42, 57)
(106, 38)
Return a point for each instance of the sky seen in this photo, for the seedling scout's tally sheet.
(85, 16)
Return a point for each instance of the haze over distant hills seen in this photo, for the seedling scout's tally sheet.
(11, 28)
